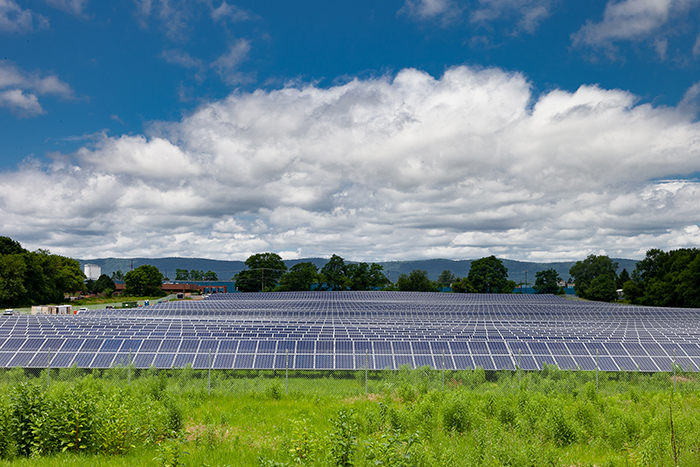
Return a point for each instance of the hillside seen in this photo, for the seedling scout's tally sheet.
(517, 270)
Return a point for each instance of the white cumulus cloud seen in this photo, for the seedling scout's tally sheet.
(15, 19)
(408, 166)
(19, 89)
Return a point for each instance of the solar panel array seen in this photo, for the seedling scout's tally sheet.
(356, 330)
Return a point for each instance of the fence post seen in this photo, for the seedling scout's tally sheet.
(443, 370)
(520, 354)
(596, 370)
(674, 370)
(286, 373)
(366, 367)
(128, 362)
(209, 376)
(48, 369)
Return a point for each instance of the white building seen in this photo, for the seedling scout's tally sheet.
(92, 271)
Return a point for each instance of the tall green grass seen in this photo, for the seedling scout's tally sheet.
(420, 417)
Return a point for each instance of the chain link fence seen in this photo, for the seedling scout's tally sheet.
(365, 381)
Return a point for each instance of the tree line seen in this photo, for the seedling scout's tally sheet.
(194, 275)
(35, 277)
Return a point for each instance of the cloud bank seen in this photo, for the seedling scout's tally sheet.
(397, 167)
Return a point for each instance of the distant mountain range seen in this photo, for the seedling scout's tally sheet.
(519, 271)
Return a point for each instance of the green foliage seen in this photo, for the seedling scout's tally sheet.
(300, 277)
(343, 439)
(334, 274)
(489, 275)
(144, 281)
(416, 281)
(103, 283)
(463, 285)
(595, 278)
(31, 278)
(264, 271)
(546, 281)
(446, 278)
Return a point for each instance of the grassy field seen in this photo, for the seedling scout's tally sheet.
(406, 418)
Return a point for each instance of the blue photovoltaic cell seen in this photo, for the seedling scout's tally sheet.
(324, 347)
(527, 362)
(72, 345)
(463, 362)
(577, 348)
(477, 348)
(483, 361)
(228, 346)
(564, 362)
(539, 348)
(91, 345)
(183, 359)
(607, 364)
(382, 348)
(306, 346)
(343, 346)
(286, 346)
(498, 348)
(585, 363)
(267, 346)
(131, 345)
(404, 360)
(634, 349)
(83, 360)
(164, 360)
(304, 362)
(384, 361)
(324, 362)
(224, 361)
(5, 358)
(663, 363)
(692, 350)
(13, 344)
(615, 348)
(503, 362)
(150, 345)
(244, 360)
(625, 363)
(264, 361)
(427, 360)
(645, 364)
(144, 360)
(421, 348)
(102, 360)
(281, 361)
(541, 359)
(558, 348)
(111, 345)
(202, 361)
(344, 361)
(20, 359)
(40, 360)
(62, 360)
(32, 344)
(170, 345)
(189, 345)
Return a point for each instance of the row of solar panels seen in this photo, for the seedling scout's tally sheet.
(228, 346)
(339, 361)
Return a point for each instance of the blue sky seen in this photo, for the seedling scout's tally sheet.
(529, 129)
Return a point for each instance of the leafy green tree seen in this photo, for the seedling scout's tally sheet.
(334, 274)
(264, 272)
(12, 273)
(547, 281)
(489, 275)
(196, 275)
(144, 281)
(210, 276)
(584, 272)
(462, 285)
(182, 275)
(300, 277)
(416, 281)
(10, 247)
(622, 278)
(365, 276)
(103, 283)
(446, 278)
(118, 276)
(602, 289)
